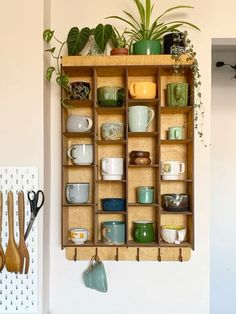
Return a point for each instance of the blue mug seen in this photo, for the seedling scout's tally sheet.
(113, 232)
(95, 275)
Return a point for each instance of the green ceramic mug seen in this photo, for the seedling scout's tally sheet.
(177, 94)
(143, 231)
(176, 133)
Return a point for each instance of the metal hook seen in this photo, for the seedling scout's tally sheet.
(159, 255)
(117, 254)
(96, 254)
(75, 255)
(137, 257)
(180, 255)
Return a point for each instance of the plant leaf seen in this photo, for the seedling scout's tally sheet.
(49, 73)
(47, 35)
(185, 23)
(174, 8)
(148, 14)
(141, 10)
(51, 49)
(63, 81)
(102, 35)
(76, 40)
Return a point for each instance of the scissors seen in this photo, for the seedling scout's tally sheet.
(36, 200)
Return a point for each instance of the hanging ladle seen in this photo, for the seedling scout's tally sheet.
(2, 256)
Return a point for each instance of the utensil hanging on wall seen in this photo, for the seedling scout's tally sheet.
(36, 200)
(24, 254)
(2, 256)
(13, 260)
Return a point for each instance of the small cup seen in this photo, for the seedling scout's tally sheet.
(173, 234)
(112, 168)
(143, 231)
(177, 94)
(143, 90)
(112, 131)
(81, 154)
(77, 193)
(176, 133)
(113, 232)
(78, 235)
(78, 123)
(145, 194)
(171, 169)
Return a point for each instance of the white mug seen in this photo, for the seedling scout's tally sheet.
(77, 193)
(78, 235)
(78, 123)
(171, 169)
(112, 168)
(173, 234)
(81, 154)
(140, 118)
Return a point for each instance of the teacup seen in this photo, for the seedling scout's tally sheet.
(113, 232)
(112, 168)
(78, 123)
(79, 90)
(140, 118)
(173, 234)
(171, 169)
(143, 90)
(145, 194)
(78, 235)
(176, 133)
(112, 130)
(77, 193)
(143, 231)
(81, 154)
(95, 275)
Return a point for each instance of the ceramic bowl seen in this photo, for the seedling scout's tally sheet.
(175, 202)
(113, 204)
(110, 96)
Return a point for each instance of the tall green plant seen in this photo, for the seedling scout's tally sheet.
(143, 28)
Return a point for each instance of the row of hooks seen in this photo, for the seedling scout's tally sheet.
(159, 258)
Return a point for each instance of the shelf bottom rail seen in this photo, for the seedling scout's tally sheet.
(181, 254)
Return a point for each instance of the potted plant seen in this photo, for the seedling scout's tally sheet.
(119, 43)
(145, 34)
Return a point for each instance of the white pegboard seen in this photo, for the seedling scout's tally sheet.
(19, 292)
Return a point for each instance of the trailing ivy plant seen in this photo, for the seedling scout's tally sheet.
(199, 110)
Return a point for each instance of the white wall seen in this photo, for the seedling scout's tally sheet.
(223, 183)
(133, 287)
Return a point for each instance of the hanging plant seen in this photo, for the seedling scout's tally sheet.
(199, 110)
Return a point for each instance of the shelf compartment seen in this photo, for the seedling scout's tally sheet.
(77, 166)
(78, 134)
(142, 102)
(165, 212)
(69, 243)
(176, 142)
(143, 134)
(176, 110)
(137, 244)
(109, 181)
(78, 205)
(143, 205)
(111, 142)
(182, 244)
(180, 180)
(88, 103)
(110, 110)
(143, 166)
(111, 212)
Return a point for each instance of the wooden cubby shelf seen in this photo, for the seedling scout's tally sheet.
(122, 71)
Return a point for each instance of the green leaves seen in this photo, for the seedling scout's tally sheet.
(76, 40)
(49, 73)
(102, 34)
(47, 35)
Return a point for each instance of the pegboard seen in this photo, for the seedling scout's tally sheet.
(19, 292)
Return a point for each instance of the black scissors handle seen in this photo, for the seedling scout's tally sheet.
(36, 200)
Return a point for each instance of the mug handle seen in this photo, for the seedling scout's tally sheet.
(104, 234)
(176, 133)
(90, 124)
(70, 151)
(151, 116)
(105, 165)
(131, 89)
(182, 167)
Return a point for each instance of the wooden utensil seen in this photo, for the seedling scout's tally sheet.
(2, 256)
(13, 261)
(24, 254)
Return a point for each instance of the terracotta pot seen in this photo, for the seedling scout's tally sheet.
(119, 52)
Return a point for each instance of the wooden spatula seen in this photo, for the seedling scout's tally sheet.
(2, 256)
(13, 261)
(24, 254)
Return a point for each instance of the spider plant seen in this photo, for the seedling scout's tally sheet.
(143, 28)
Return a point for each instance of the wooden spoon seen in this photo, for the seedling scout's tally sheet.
(13, 261)
(24, 254)
(2, 256)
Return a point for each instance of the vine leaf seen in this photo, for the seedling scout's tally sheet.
(49, 73)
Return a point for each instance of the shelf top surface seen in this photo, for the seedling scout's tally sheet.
(130, 60)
